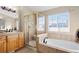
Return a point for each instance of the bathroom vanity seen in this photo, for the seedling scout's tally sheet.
(11, 41)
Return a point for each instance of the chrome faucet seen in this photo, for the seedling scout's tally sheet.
(44, 41)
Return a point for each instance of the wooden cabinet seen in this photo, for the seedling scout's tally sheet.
(12, 42)
(2, 45)
(15, 42)
(21, 40)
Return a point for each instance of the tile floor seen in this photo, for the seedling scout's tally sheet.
(32, 43)
(27, 50)
(31, 48)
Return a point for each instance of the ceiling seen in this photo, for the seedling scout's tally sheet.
(40, 8)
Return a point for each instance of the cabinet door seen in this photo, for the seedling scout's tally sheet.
(21, 40)
(4, 43)
(17, 45)
(11, 43)
(2, 46)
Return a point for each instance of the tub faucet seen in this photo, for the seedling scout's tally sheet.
(44, 41)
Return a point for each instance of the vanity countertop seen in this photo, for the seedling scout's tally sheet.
(8, 33)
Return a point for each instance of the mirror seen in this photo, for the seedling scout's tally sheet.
(2, 24)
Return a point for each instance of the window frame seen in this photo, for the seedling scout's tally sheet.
(43, 30)
(61, 29)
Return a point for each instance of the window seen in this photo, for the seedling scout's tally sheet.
(52, 23)
(59, 22)
(41, 23)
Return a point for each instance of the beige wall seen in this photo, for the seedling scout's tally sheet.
(74, 22)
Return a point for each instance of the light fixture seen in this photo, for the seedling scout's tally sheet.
(8, 9)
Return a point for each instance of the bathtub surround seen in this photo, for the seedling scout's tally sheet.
(55, 45)
(62, 45)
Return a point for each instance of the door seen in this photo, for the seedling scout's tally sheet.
(2, 46)
(26, 29)
(29, 28)
(21, 40)
(11, 43)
